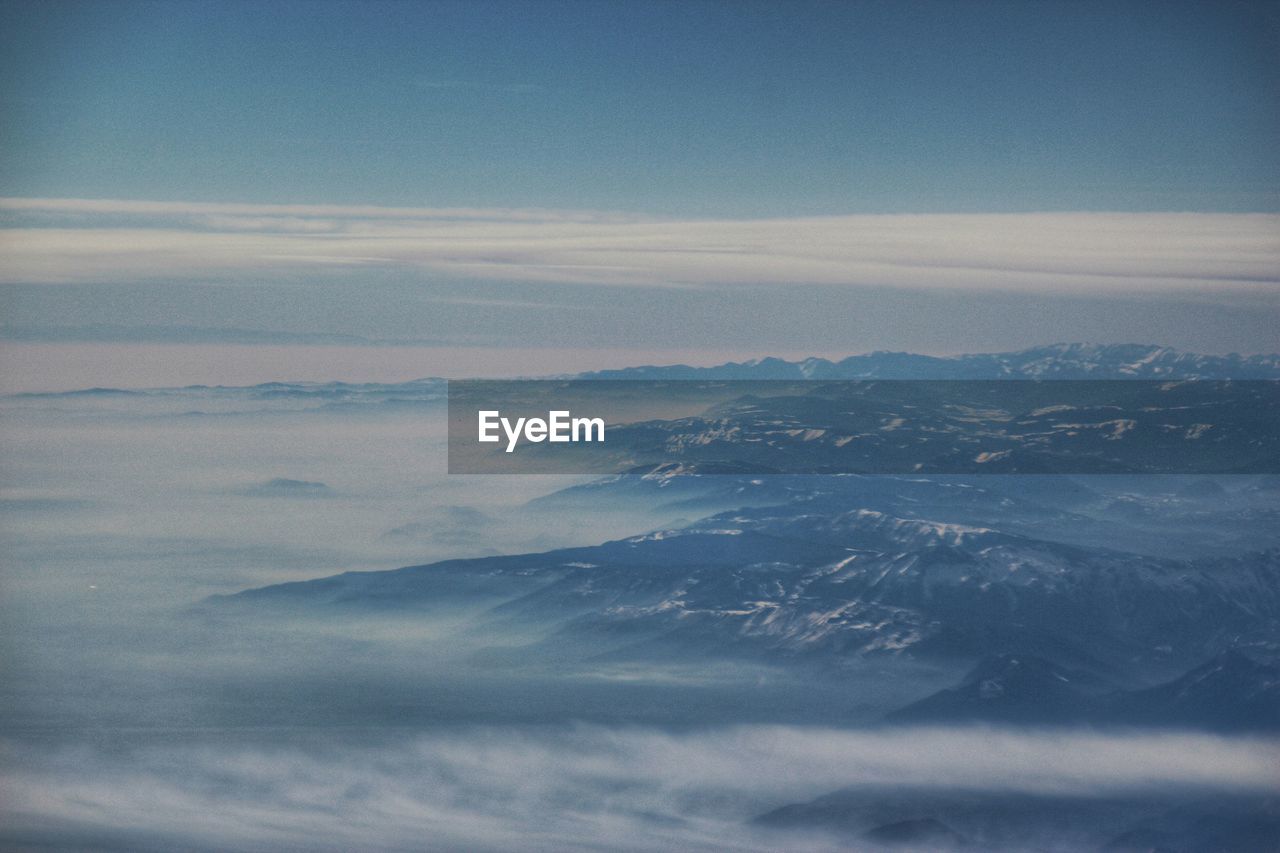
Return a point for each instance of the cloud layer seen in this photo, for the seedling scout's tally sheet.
(1204, 254)
(579, 788)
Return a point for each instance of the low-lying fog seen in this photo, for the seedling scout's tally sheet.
(130, 720)
(180, 495)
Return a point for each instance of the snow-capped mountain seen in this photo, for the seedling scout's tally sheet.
(1065, 599)
(975, 427)
(1058, 361)
(786, 584)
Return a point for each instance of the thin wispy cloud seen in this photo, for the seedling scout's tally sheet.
(193, 210)
(1186, 254)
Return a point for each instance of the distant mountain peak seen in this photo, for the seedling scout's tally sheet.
(1051, 361)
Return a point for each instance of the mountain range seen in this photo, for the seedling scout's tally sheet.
(957, 427)
(1056, 361)
(802, 584)
(1103, 599)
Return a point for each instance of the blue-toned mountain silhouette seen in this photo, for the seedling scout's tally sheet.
(923, 819)
(968, 427)
(1049, 599)
(1058, 361)
(1234, 691)
(779, 584)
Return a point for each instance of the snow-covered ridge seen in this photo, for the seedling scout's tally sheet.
(1056, 361)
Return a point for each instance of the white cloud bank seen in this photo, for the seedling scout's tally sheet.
(583, 788)
(1207, 254)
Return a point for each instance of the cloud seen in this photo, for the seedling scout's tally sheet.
(1182, 254)
(587, 787)
(180, 210)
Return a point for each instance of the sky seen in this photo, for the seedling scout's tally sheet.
(730, 179)
(722, 109)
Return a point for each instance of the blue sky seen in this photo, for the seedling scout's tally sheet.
(723, 109)
(682, 181)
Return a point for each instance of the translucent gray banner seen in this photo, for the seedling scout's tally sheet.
(864, 427)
